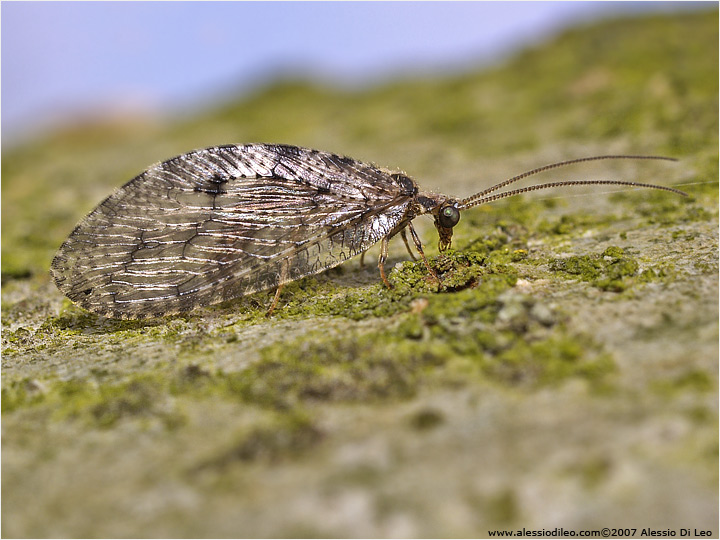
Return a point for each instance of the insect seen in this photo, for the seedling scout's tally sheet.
(226, 221)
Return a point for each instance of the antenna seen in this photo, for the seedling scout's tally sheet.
(481, 197)
(512, 193)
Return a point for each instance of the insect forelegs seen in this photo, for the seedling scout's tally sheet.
(418, 246)
(407, 245)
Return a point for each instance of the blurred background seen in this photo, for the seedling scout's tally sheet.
(71, 62)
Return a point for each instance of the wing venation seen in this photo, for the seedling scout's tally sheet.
(222, 222)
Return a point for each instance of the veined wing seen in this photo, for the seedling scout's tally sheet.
(223, 222)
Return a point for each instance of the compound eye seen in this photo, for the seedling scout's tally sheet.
(449, 217)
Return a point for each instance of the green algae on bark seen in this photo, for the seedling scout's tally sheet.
(611, 270)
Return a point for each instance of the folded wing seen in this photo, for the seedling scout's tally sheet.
(223, 222)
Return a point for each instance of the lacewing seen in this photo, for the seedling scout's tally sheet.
(226, 221)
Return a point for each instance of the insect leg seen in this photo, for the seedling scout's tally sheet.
(404, 237)
(269, 312)
(281, 284)
(382, 259)
(418, 245)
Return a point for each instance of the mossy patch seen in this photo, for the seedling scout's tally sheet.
(280, 438)
(611, 270)
(500, 335)
(691, 381)
(550, 361)
(484, 326)
(574, 224)
(427, 419)
(660, 209)
(359, 368)
(410, 280)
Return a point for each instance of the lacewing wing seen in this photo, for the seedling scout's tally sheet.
(226, 221)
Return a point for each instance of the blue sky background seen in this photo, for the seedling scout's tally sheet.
(64, 60)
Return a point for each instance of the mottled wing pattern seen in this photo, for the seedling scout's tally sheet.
(222, 222)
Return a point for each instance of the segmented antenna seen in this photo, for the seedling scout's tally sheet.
(481, 197)
(511, 193)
